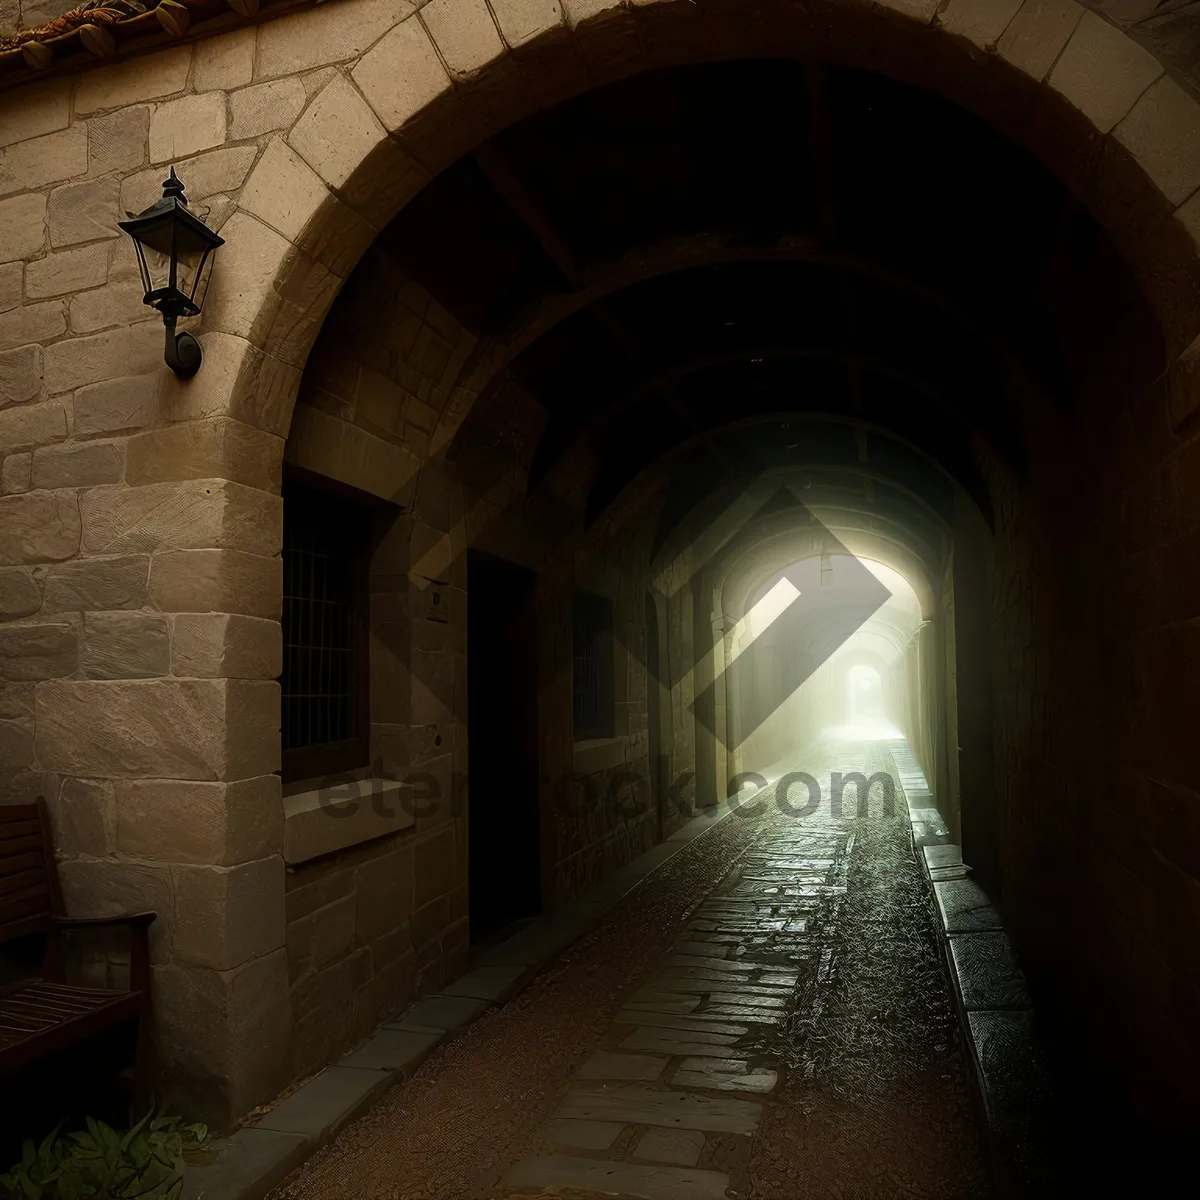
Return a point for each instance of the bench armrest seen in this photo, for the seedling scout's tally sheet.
(138, 924)
(143, 919)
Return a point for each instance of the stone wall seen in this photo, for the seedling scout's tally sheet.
(1094, 600)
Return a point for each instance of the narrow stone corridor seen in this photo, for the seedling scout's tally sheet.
(765, 1016)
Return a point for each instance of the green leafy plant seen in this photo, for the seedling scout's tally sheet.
(146, 1160)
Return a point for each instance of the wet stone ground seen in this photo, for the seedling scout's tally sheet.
(766, 1017)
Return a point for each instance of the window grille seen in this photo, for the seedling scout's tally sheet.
(324, 716)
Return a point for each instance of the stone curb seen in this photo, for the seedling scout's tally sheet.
(258, 1157)
(1014, 1088)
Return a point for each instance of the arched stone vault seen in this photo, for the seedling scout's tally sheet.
(142, 507)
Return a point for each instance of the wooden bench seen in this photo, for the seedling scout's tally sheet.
(42, 1015)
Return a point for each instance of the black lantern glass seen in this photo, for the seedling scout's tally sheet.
(173, 248)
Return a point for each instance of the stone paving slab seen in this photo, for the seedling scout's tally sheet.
(675, 1042)
(680, 1147)
(607, 1064)
(675, 1021)
(731, 1075)
(586, 1135)
(617, 1178)
(638, 1105)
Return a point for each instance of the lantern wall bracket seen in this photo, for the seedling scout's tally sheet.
(181, 351)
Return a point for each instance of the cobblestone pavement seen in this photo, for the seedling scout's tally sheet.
(766, 1017)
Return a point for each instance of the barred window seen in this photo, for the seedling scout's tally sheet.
(592, 674)
(325, 725)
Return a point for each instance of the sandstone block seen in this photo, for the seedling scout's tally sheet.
(228, 646)
(217, 581)
(228, 915)
(219, 448)
(189, 515)
(464, 32)
(118, 142)
(217, 171)
(93, 888)
(160, 74)
(19, 595)
(436, 867)
(116, 405)
(296, 43)
(979, 21)
(48, 159)
(191, 822)
(331, 447)
(67, 271)
(16, 702)
(78, 464)
(98, 583)
(317, 940)
(22, 226)
(1102, 71)
(32, 425)
(125, 645)
(119, 303)
(224, 62)
(384, 893)
(337, 131)
(81, 816)
(521, 21)
(284, 191)
(173, 728)
(44, 108)
(183, 127)
(1162, 132)
(225, 1034)
(399, 77)
(32, 323)
(20, 374)
(16, 747)
(12, 277)
(83, 360)
(39, 527)
(38, 651)
(84, 212)
(242, 297)
(1037, 34)
(16, 475)
(265, 106)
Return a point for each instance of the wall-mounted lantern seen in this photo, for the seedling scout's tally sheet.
(173, 247)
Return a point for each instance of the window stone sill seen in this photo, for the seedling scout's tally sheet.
(325, 820)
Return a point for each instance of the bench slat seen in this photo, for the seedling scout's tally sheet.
(14, 864)
(18, 845)
(9, 884)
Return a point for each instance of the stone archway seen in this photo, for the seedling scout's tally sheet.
(152, 505)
